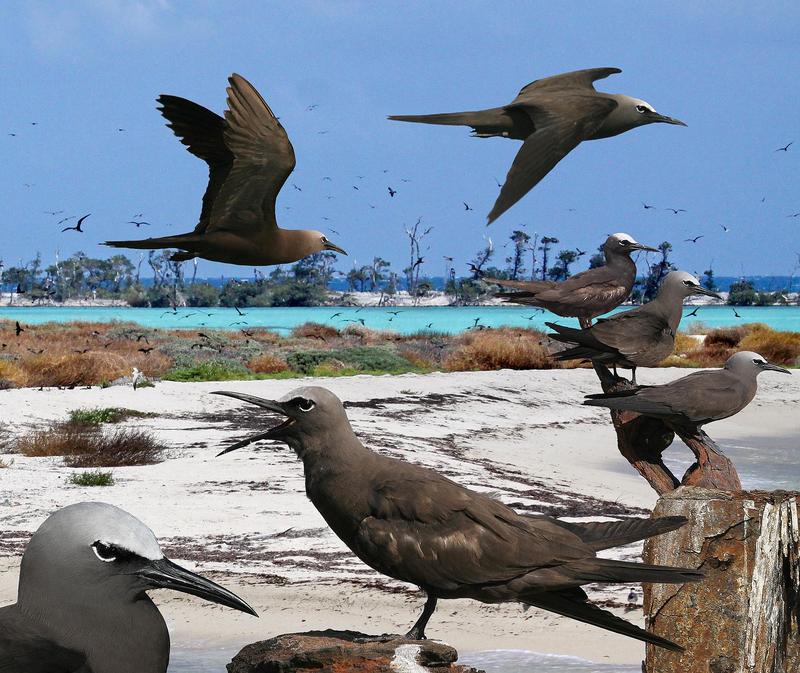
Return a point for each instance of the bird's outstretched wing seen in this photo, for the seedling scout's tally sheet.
(560, 125)
(583, 79)
(263, 159)
(202, 131)
(22, 650)
(428, 530)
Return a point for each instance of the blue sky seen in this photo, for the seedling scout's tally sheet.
(83, 69)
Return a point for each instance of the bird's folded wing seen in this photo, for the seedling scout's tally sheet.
(583, 79)
(25, 651)
(525, 285)
(699, 397)
(583, 291)
(263, 159)
(627, 332)
(435, 533)
(559, 129)
(202, 131)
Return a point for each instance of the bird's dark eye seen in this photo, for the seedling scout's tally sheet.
(306, 405)
(108, 553)
(324, 239)
(641, 109)
(759, 362)
(623, 242)
(688, 282)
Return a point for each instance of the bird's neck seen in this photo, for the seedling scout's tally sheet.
(128, 637)
(289, 245)
(668, 306)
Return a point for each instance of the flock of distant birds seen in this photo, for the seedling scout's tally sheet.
(82, 605)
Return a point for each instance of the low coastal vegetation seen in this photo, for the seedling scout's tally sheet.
(91, 478)
(82, 441)
(90, 354)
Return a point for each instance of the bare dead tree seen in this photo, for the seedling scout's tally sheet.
(412, 271)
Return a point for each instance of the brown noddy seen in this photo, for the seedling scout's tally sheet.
(417, 526)
(699, 398)
(587, 294)
(249, 158)
(552, 116)
(82, 605)
(641, 337)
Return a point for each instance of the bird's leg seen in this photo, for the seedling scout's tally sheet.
(633, 376)
(417, 631)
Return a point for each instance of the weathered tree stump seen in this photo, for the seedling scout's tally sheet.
(338, 651)
(743, 618)
(642, 441)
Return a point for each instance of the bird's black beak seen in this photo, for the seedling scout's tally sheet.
(768, 366)
(331, 246)
(271, 405)
(164, 574)
(640, 246)
(708, 293)
(655, 117)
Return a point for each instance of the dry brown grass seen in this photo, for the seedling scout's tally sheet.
(505, 348)
(90, 446)
(778, 347)
(315, 330)
(267, 364)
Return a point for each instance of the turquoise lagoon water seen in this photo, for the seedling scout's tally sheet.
(450, 319)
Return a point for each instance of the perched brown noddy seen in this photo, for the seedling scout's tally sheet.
(696, 399)
(82, 605)
(552, 116)
(415, 525)
(641, 337)
(249, 158)
(587, 294)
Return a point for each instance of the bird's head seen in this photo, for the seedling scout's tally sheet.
(624, 244)
(311, 414)
(683, 284)
(89, 556)
(633, 112)
(319, 242)
(748, 363)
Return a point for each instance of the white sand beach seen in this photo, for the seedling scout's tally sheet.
(244, 519)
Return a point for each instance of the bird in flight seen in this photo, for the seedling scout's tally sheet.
(647, 206)
(19, 329)
(552, 116)
(724, 228)
(735, 312)
(249, 157)
(693, 313)
(77, 227)
(692, 240)
(675, 211)
(466, 206)
(785, 148)
(392, 192)
(138, 224)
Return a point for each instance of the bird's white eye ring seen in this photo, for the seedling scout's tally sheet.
(104, 552)
(624, 242)
(641, 109)
(306, 405)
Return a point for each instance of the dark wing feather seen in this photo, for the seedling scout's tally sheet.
(699, 397)
(25, 650)
(430, 531)
(263, 160)
(577, 79)
(561, 124)
(202, 131)
(632, 332)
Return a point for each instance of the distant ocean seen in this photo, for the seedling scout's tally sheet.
(407, 320)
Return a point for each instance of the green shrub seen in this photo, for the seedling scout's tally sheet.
(100, 415)
(92, 478)
(210, 370)
(359, 358)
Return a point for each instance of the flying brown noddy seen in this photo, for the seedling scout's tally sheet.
(552, 116)
(82, 605)
(587, 294)
(417, 526)
(696, 399)
(641, 337)
(249, 158)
